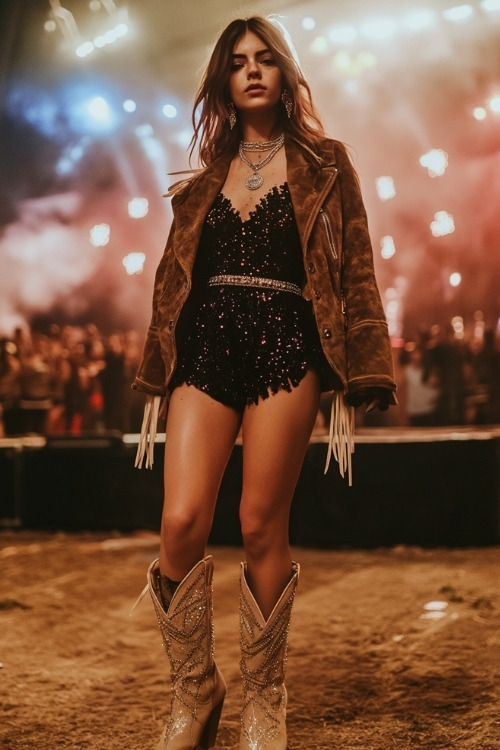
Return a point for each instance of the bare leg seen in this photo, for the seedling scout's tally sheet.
(275, 435)
(200, 435)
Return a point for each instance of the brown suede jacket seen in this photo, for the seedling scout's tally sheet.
(338, 265)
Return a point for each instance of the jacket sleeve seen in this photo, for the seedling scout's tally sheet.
(150, 377)
(369, 351)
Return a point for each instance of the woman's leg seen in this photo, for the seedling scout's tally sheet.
(275, 435)
(200, 435)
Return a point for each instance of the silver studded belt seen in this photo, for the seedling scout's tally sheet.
(257, 281)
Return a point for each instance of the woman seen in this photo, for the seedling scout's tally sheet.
(265, 297)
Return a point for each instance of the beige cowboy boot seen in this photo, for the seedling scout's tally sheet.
(263, 661)
(198, 688)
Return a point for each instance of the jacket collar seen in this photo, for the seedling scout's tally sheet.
(308, 184)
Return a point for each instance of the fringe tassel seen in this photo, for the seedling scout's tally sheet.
(139, 598)
(148, 432)
(341, 435)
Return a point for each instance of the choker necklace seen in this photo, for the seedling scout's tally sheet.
(255, 180)
(260, 145)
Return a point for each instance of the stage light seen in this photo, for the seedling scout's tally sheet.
(99, 109)
(183, 137)
(144, 131)
(366, 60)
(84, 49)
(343, 62)
(419, 20)
(138, 208)
(88, 112)
(134, 263)
(479, 325)
(458, 13)
(494, 103)
(457, 323)
(102, 40)
(393, 312)
(72, 155)
(153, 148)
(308, 23)
(455, 279)
(64, 166)
(391, 309)
(388, 247)
(342, 34)
(490, 6)
(169, 111)
(435, 161)
(129, 105)
(99, 235)
(379, 28)
(479, 113)
(385, 188)
(320, 45)
(443, 224)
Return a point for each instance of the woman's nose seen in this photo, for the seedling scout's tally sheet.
(253, 69)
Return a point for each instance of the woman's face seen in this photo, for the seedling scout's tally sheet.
(255, 81)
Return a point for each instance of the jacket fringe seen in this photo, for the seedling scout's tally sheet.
(179, 186)
(148, 432)
(341, 435)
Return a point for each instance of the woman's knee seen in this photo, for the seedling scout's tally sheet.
(181, 528)
(261, 532)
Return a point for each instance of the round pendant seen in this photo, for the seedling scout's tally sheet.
(254, 181)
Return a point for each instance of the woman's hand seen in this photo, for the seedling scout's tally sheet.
(375, 398)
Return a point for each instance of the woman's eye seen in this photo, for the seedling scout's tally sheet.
(268, 61)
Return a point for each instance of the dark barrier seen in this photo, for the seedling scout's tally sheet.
(429, 488)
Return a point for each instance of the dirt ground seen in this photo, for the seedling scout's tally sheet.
(369, 666)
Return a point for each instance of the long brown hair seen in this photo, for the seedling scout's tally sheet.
(210, 110)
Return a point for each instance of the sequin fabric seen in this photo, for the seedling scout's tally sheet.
(244, 343)
(263, 666)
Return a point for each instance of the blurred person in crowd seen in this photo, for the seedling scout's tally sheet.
(37, 385)
(133, 400)
(445, 358)
(422, 387)
(82, 395)
(10, 389)
(265, 297)
(483, 380)
(112, 377)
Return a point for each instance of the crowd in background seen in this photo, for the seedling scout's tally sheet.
(446, 380)
(75, 380)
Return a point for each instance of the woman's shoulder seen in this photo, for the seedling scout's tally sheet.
(332, 148)
(183, 185)
(191, 179)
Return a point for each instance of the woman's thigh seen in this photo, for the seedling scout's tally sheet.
(275, 435)
(200, 434)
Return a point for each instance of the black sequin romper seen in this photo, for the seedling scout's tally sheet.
(243, 342)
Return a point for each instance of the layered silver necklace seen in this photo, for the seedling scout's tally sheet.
(255, 180)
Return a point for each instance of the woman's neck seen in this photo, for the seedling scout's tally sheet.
(261, 130)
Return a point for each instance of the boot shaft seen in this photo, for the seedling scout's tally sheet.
(263, 665)
(197, 687)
